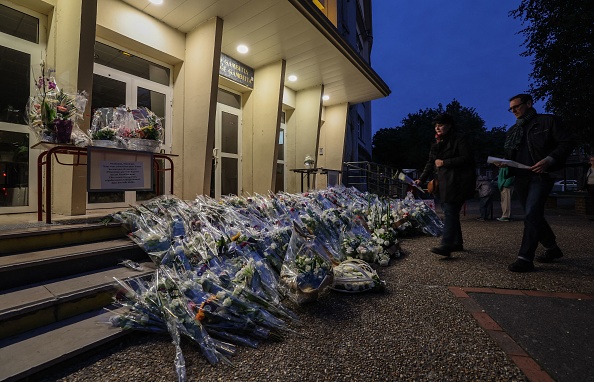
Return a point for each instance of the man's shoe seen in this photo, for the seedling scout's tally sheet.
(480, 219)
(457, 248)
(550, 255)
(443, 251)
(521, 266)
(504, 219)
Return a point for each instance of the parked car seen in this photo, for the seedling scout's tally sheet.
(565, 185)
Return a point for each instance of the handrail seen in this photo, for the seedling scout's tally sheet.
(374, 177)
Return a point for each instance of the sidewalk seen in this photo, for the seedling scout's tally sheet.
(464, 318)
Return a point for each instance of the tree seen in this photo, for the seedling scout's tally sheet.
(559, 36)
(407, 146)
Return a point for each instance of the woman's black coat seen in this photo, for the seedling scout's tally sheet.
(457, 178)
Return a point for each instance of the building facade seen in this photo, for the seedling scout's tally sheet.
(247, 89)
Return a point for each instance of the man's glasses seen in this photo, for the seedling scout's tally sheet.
(515, 108)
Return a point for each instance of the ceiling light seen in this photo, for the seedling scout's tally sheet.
(158, 2)
(242, 49)
(292, 78)
(326, 97)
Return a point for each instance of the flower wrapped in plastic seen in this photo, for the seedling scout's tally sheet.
(149, 132)
(422, 218)
(102, 130)
(307, 269)
(359, 246)
(52, 113)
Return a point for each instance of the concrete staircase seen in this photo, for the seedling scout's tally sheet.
(56, 286)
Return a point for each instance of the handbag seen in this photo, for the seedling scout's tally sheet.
(433, 186)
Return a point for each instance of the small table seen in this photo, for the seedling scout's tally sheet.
(305, 172)
(52, 150)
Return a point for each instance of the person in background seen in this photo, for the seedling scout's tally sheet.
(588, 184)
(452, 158)
(541, 142)
(486, 190)
(505, 183)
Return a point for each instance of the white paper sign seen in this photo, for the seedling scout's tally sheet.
(121, 175)
(509, 163)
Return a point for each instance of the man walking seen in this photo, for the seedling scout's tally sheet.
(540, 142)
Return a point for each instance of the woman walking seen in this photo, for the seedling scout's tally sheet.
(451, 162)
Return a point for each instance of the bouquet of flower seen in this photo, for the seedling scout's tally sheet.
(149, 124)
(52, 113)
(307, 270)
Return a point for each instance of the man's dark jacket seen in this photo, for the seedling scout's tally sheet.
(546, 137)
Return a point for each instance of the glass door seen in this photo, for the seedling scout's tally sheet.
(22, 36)
(113, 88)
(227, 152)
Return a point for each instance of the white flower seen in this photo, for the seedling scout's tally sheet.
(227, 302)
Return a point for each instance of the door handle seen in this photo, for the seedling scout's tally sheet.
(215, 157)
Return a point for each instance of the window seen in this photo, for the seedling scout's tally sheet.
(129, 63)
(19, 24)
(360, 127)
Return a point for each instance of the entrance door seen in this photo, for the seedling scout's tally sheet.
(227, 149)
(112, 88)
(22, 46)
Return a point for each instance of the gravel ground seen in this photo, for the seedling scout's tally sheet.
(414, 331)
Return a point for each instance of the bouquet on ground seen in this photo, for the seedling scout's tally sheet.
(307, 270)
(53, 113)
(354, 275)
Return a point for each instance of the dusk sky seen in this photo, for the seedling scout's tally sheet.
(434, 51)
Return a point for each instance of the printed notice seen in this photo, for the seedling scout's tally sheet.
(121, 175)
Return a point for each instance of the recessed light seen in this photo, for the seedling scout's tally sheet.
(158, 2)
(242, 49)
(292, 78)
(326, 97)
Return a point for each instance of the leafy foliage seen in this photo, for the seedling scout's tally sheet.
(559, 36)
(407, 146)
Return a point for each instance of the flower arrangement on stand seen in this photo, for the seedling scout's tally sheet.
(102, 131)
(52, 113)
(148, 134)
(137, 129)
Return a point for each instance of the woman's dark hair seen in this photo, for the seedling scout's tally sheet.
(443, 119)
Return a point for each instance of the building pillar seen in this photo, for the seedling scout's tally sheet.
(260, 129)
(304, 132)
(70, 51)
(201, 69)
(332, 138)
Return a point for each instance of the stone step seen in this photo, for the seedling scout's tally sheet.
(26, 308)
(19, 239)
(25, 355)
(25, 268)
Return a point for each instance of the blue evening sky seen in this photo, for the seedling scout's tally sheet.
(432, 51)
